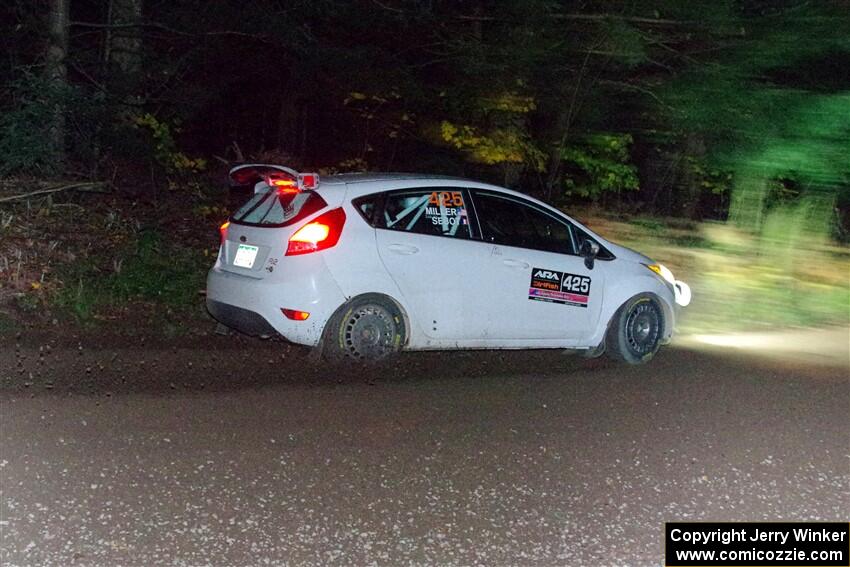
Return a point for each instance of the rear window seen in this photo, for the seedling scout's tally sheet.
(278, 208)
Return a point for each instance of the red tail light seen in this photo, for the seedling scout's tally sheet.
(319, 234)
(295, 315)
(223, 231)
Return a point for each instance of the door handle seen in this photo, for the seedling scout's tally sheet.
(404, 249)
(516, 264)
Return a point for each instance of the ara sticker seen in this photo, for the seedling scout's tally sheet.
(559, 287)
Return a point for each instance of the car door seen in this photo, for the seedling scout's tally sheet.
(424, 238)
(543, 288)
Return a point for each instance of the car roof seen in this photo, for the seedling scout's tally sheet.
(371, 177)
(365, 183)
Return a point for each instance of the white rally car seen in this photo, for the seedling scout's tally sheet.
(364, 265)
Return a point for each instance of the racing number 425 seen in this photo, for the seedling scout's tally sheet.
(446, 198)
(577, 284)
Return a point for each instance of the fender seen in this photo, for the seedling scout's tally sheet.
(368, 275)
(621, 290)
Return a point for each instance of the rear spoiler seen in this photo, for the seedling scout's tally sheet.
(264, 176)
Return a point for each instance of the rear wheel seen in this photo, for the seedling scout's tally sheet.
(367, 328)
(635, 332)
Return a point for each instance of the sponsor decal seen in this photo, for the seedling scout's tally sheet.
(446, 198)
(559, 287)
(446, 209)
(446, 217)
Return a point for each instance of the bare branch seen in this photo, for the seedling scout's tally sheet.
(385, 7)
(163, 27)
(636, 88)
(78, 186)
(595, 18)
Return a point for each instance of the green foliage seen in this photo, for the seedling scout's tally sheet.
(165, 150)
(624, 42)
(806, 157)
(527, 91)
(781, 130)
(712, 179)
(498, 134)
(383, 113)
(25, 146)
(604, 165)
(509, 144)
(152, 270)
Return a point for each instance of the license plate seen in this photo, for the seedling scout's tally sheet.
(245, 256)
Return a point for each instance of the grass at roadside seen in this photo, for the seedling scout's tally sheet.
(148, 270)
(742, 281)
(95, 261)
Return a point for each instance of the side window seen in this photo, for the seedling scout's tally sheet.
(508, 221)
(368, 207)
(436, 211)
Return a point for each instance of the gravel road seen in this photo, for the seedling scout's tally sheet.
(225, 451)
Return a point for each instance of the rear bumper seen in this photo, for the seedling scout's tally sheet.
(242, 320)
(253, 306)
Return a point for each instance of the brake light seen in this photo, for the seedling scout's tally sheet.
(319, 234)
(281, 180)
(223, 231)
(308, 180)
(289, 184)
(294, 314)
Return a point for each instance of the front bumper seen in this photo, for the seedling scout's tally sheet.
(683, 293)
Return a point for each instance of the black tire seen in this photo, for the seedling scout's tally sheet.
(368, 328)
(635, 332)
(595, 352)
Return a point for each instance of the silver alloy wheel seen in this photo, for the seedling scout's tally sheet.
(369, 332)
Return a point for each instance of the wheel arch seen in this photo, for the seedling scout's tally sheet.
(616, 334)
(621, 294)
(665, 320)
(397, 305)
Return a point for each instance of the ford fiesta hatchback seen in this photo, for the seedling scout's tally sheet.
(364, 265)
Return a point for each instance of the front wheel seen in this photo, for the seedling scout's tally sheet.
(636, 329)
(368, 328)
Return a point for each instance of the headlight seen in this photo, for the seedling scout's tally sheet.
(663, 272)
(681, 291)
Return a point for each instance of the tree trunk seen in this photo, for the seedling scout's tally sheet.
(690, 188)
(56, 73)
(124, 46)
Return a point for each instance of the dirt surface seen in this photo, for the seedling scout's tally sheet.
(211, 450)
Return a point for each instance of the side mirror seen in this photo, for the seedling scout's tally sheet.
(589, 250)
